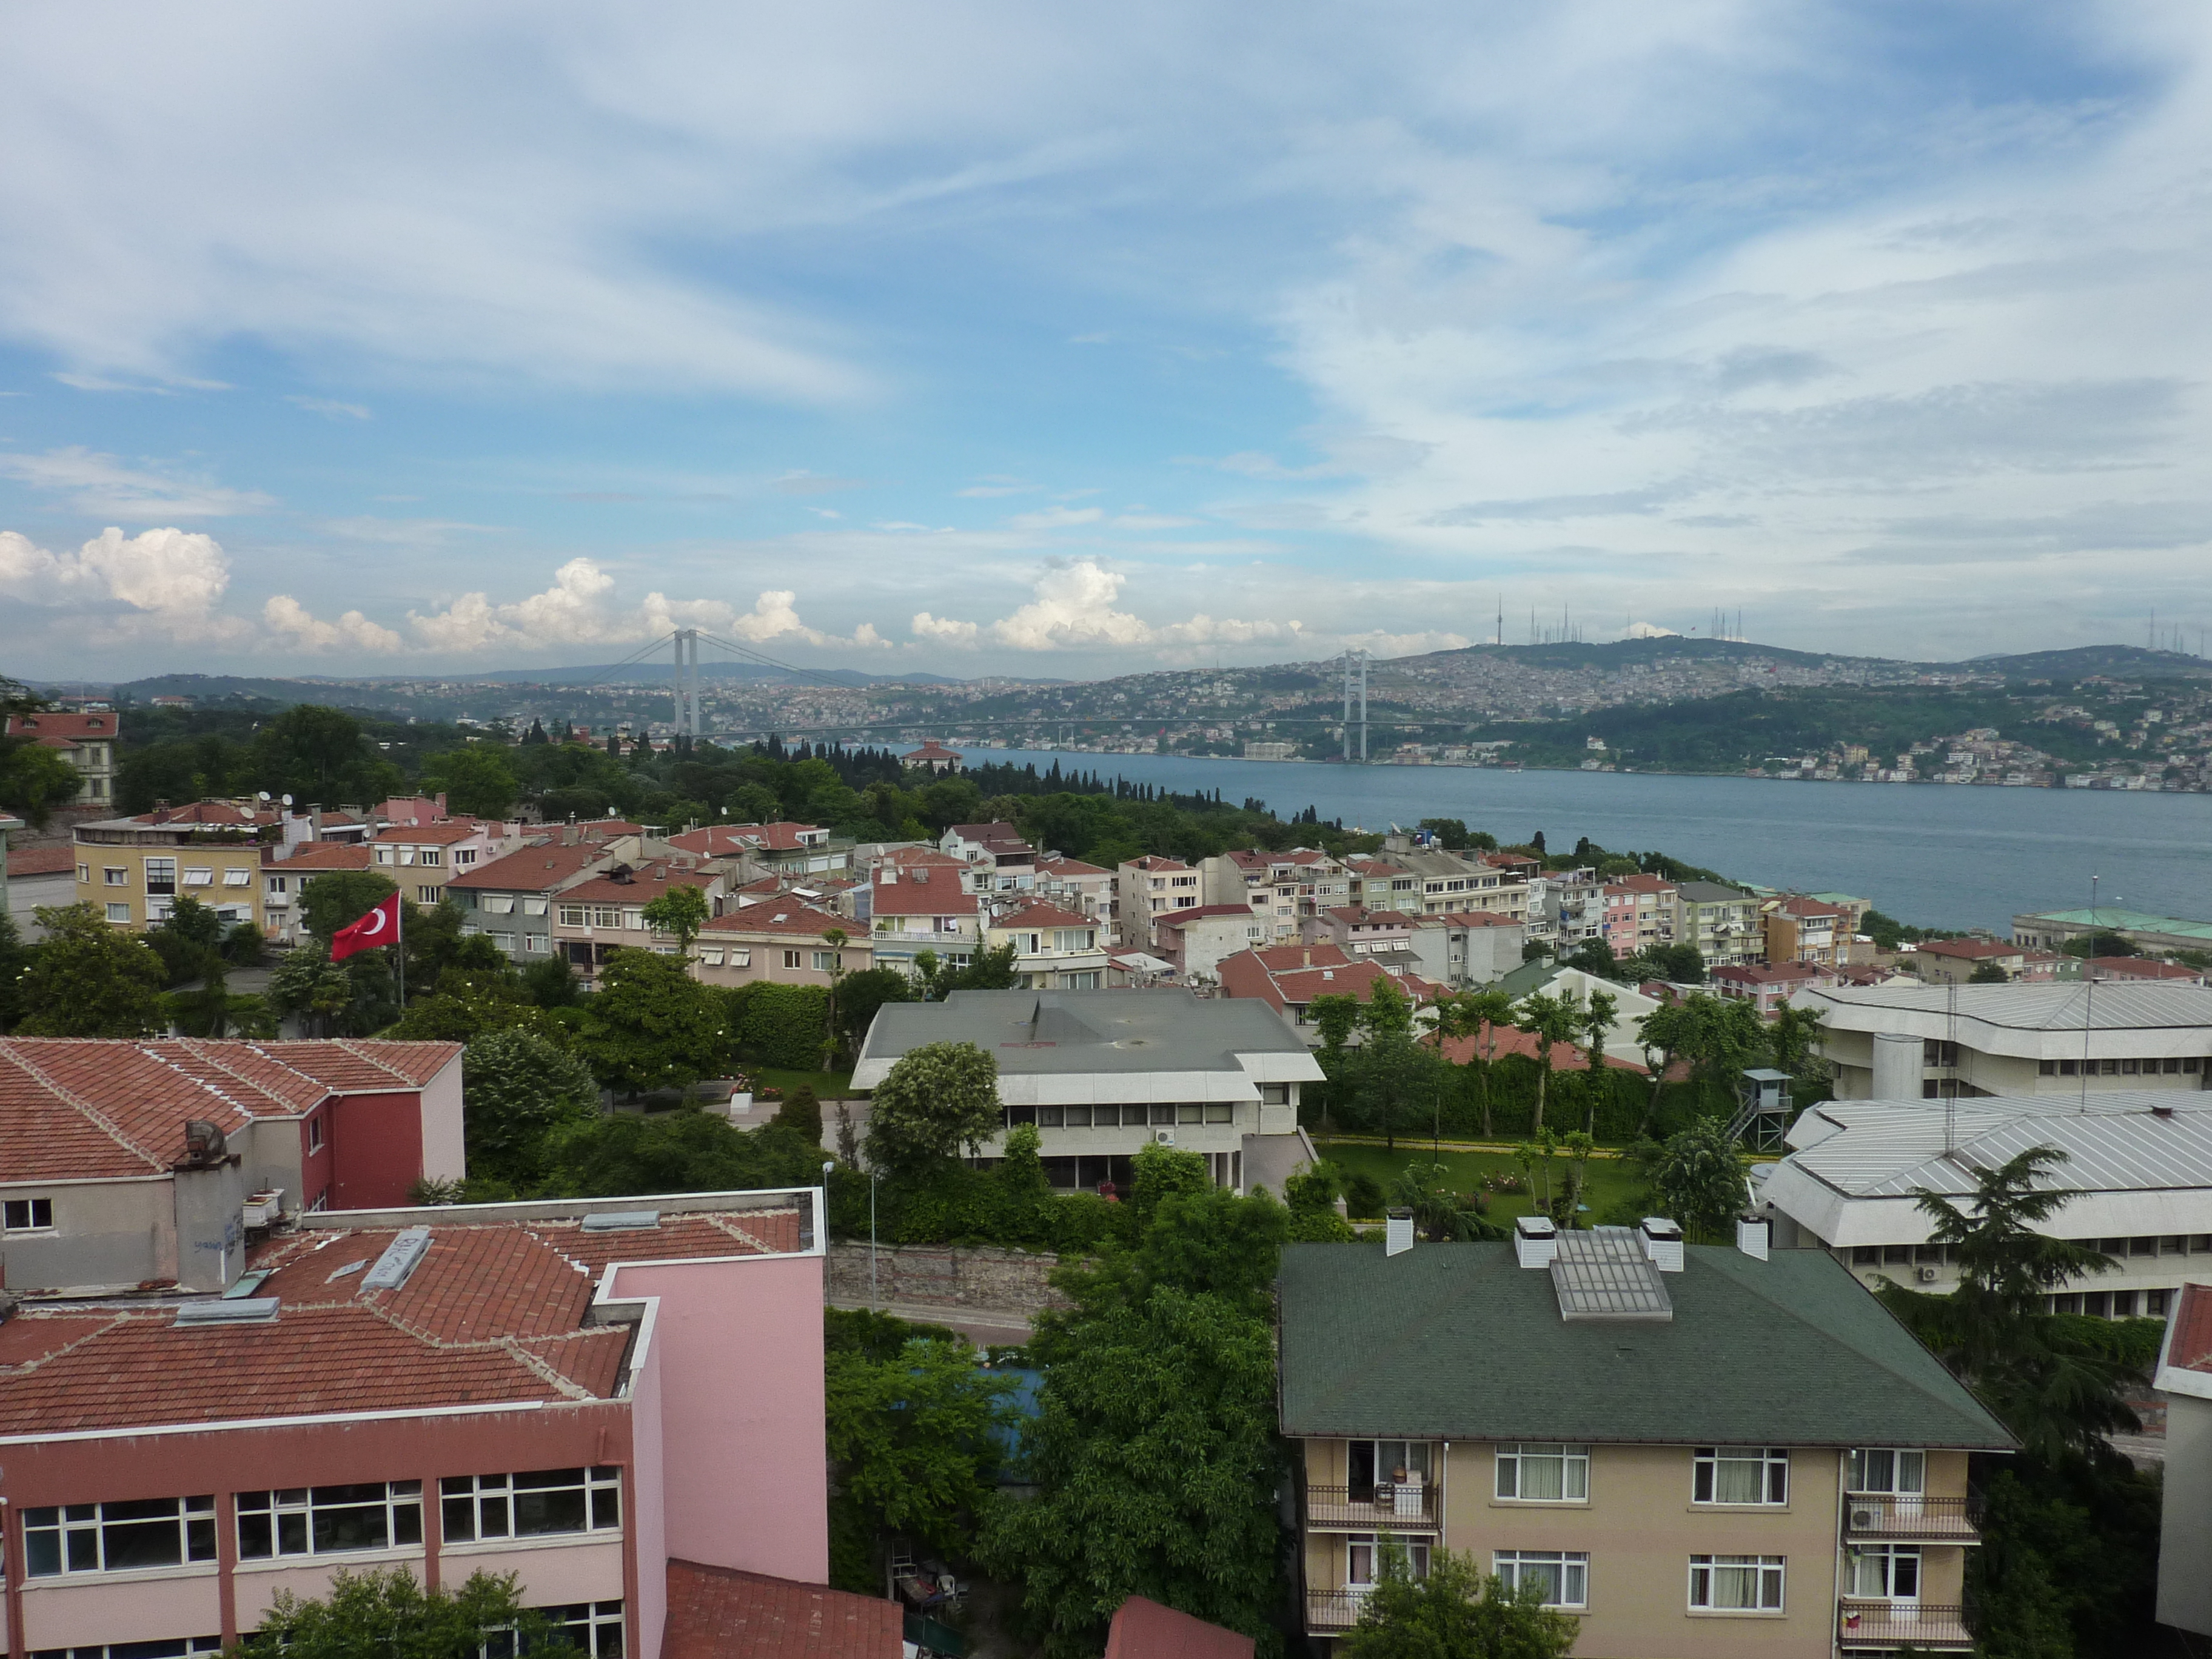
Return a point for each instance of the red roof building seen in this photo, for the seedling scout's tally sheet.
(718, 1612)
(2140, 970)
(136, 1161)
(780, 940)
(543, 1389)
(933, 757)
(1767, 985)
(1146, 1629)
(1288, 977)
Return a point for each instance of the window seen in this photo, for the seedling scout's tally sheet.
(199, 875)
(236, 877)
(741, 958)
(1274, 1094)
(464, 856)
(429, 895)
(1364, 1554)
(160, 875)
(574, 915)
(634, 918)
(1888, 1572)
(826, 961)
(534, 943)
(1877, 1470)
(384, 855)
(119, 912)
(152, 1532)
(1191, 1111)
(114, 878)
(315, 1133)
(24, 1215)
(1741, 1475)
(1220, 1111)
(791, 958)
(84, 875)
(710, 955)
(329, 1519)
(433, 856)
(532, 1505)
(1736, 1583)
(605, 915)
(1369, 1463)
(593, 1629)
(533, 907)
(1544, 1474)
(177, 1647)
(1562, 1575)
(497, 905)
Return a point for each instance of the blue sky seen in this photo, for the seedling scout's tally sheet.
(983, 338)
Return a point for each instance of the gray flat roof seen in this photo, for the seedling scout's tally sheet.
(1085, 1032)
(1983, 1011)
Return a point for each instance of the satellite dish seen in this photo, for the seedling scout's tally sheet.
(288, 800)
(264, 794)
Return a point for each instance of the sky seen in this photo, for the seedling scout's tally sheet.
(982, 339)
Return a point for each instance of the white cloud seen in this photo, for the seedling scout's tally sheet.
(1056, 517)
(100, 486)
(1648, 631)
(288, 617)
(944, 629)
(1074, 611)
(158, 581)
(331, 407)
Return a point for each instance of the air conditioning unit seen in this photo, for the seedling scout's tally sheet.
(1164, 1136)
(1926, 1275)
(1866, 1517)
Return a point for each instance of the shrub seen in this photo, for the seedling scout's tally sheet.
(784, 1025)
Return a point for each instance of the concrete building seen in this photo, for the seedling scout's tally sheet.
(86, 740)
(1074, 886)
(134, 868)
(510, 900)
(922, 908)
(598, 1396)
(1899, 1040)
(2139, 970)
(1956, 961)
(285, 873)
(2184, 1378)
(1422, 882)
(125, 1163)
(1565, 907)
(1579, 1412)
(1193, 943)
(782, 942)
(39, 877)
(1147, 889)
(1800, 929)
(1767, 986)
(2049, 930)
(1638, 914)
(1288, 977)
(933, 757)
(1280, 889)
(998, 861)
(596, 917)
(2138, 1169)
(1722, 922)
(746, 852)
(1103, 1074)
(422, 859)
(1466, 947)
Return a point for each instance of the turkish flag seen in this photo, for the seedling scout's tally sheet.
(379, 926)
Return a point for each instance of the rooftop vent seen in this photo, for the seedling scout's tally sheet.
(1753, 1235)
(1663, 1243)
(1397, 1232)
(239, 1310)
(621, 1221)
(400, 1259)
(1536, 1241)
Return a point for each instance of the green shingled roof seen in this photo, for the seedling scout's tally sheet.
(1456, 1341)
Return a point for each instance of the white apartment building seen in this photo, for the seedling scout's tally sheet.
(1146, 889)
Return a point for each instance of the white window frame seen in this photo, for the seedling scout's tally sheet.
(27, 1215)
(497, 905)
(1571, 1567)
(77, 1531)
(533, 907)
(432, 855)
(588, 1625)
(1772, 1479)
(710, 955)
(827, 961)
(161, 875)
(1767, 1583)
(1861, 1468)
(1363, 1558)
(538, 942)
(109, 875)
(233, 876)
(122, 919)
(574, 915)
(306, 1506)
(1889, 1556)
(1511, 1482)
(484, 1508)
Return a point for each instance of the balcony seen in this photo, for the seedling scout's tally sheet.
(1333, 1611)
(1382, 1508)
(1867, 1626)
(1911, 1517)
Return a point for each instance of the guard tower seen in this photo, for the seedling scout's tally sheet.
(1763, 1109)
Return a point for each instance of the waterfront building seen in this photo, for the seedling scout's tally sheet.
(2049, 930)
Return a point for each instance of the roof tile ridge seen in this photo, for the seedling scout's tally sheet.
(116, 1318)
(351, 1045)
(539, 1367)
(187, 1043)
(723, 1223)
(407, 1327)
(217, 1061)
(98, 1119)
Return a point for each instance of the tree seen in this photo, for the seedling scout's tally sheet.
(551, 983)
(384, 1613)
(1311, 1196)
(1678, 964)
(1478, 1013)
(682, 911)
(1664, 1032)
(650, 1025)
(936, 1101)
(474, 780)
(88, 978)
(1550, 1019)
(338, 898)
(308, 984)
(1455, 1613)
(912, 1440)
(1594, 957)
(1391, 1076)
(14, 959)
(1440, 1213)
(860, 995)
(1988, 972)
(189, 940)
(517, 1088)
(1156, 1463)
(35, 780)
(1791, 1038)
(686, 1151)
(1598, 1016)
(1698, 1177)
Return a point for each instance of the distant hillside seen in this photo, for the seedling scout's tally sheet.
(2124, 661)
(1612, 654)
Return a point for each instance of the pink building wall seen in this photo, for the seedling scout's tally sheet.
(649, 1519)
(741, 1399)
(444, 1157)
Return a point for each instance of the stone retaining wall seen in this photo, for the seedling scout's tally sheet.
(941, 1276)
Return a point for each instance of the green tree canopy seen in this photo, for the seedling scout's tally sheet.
(35, 780)
(680, 911)
(1697, 1177)
(517, 1087)
(1455, 1611)
(936, 1101)
(1551, 1020)
(686, 1151)
(88, 978)
(860, 995)
(384, 1613)
(474, 780)
(308, 984)
(338, 898)
(650, 1025)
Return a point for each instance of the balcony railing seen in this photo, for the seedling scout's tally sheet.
(1868, 1625)
(1409, 1506)
(1328, 1610)
(1913, 1517)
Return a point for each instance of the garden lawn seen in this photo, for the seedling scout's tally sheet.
(827, 1086)
(1609, 1181)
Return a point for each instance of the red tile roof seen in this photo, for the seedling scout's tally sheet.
(95, 1108)
(444, 833)
(769, 917)
(1641, 885)
(1198, 913)
(204, 811)
(2189, 1344)
(1465, 919)
(42, 861)
(319, 855)
(1067, 867)
(922, 898)
(1156, 861)
(1496, 1041)
(644, 885)
(2109, 967)
(104, 723)
(1288, 975)
(721, 1613)
(1769, 972)
(539, 869)
(1146, 1629)
(493, 1312)
(1049, 916)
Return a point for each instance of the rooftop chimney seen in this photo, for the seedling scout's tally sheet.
(1536, 1241)
(1663, 1244)
(1397, 1232)
(1753, 1233)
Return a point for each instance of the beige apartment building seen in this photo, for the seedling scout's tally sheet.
(595, 918)
(86, 740)
(137, 868)
(1696, 1452)
(422, 859)
(783, 942)
(1147, 889)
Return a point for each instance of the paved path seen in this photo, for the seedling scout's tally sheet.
(987, 1325)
